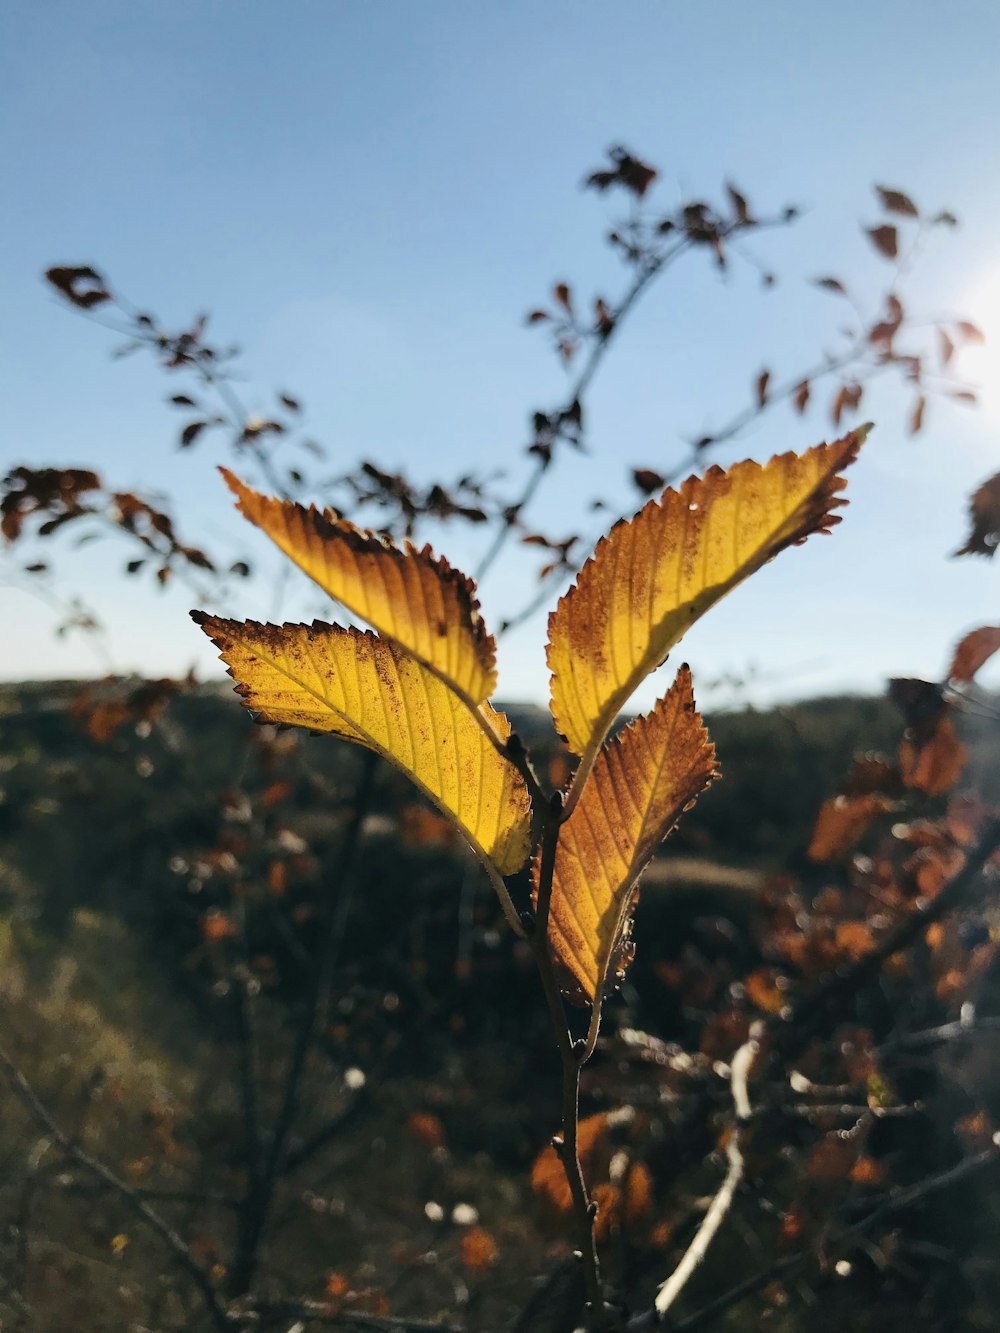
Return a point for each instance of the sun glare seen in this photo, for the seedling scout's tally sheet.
(979, 362)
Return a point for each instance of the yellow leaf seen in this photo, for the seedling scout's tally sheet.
(363, 688)
(640, 783)
(654, 575)
(408, 595)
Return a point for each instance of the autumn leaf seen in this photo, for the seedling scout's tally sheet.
(841, 821)
(885, 240)
(972, 652)
(639, 785)
(408, 595)
(895, 201)
(934, 765)
(653, 576)
(365, 689)
(984, 516)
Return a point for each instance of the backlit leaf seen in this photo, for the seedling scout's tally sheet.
(973, 651)
(654, 575)
(639, 785)
(984, 518)
(408, 595)
(365, 689)
(841, 821)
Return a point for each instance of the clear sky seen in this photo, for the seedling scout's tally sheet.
(369, 196)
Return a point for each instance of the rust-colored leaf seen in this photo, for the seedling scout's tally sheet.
(841, 822)
(653, 576)
(639, 785)
(973, 652)
(935, 765)
(895, 201)
(410, 596)
(479, 1250)
(885, 240)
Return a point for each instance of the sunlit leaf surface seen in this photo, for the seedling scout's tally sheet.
(639, 785)
(363, 688)
(654, 575)
(408, 595)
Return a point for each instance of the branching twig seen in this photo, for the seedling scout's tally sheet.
(182, 1255)
(740, 1070)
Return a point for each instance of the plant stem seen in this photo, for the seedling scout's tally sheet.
(566, 1145)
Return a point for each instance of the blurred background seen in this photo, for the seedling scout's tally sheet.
(488, 277)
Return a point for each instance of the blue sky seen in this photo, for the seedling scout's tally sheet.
(368, 197)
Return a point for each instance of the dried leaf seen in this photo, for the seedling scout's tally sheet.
(760, 387)
(353, 684)
(646, 480)
(82, 285)
(916, 421)
(562, 294)
(654, 575)
(408, 595)
(740, 206)
(831, 285)
(935, 765)
(972, 652)
(479, 1250)
(970, 332)
(800, 398)
(841, 821)
(885, 240)
(191, 432)
(895, 201)
(984, 513)
(639, 785)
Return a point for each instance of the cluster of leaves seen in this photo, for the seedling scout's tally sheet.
(38, 502)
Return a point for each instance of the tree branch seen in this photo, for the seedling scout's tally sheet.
(182, 1256)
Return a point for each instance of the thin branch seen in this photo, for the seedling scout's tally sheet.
(182, 1256)
(740, 1070)
(898, 1201)
(319, 1312)
(260, 1195)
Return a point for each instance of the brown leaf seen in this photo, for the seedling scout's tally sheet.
(83, 285)
(563, 295)
(885, 240)
(191, 432)
(841, 822)
(740, 206)
(972, 652)
(831, 285)
(984, 512)
(479, 1250)
(916, 421)
(936, 765)
(800, 399)
(763, 380)
(947, 347)
(895, 201)
(972, 333)
(647, 480)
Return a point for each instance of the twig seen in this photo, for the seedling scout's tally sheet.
(903, 1198)
(740, 1069)
(261, 1192)
(319, 1312)
(25, 1094)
